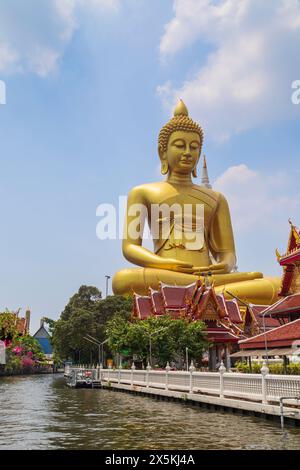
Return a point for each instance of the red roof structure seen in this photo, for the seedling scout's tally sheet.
(157, 301)
(291, 263)
(255, 323)
(283, 336)
(194, 302)
(142, 307)
(233, 310)
(178, 298)
(285, 310)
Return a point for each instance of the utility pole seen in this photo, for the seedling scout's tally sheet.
(107, 279)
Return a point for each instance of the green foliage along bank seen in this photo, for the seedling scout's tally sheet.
(23, 353)
(163, 338)
(86, 313)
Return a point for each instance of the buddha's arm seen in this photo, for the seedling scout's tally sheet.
(133, 250)
(221, 240)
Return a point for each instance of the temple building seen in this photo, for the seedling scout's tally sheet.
(234, 328)
(44, 338)
(277, 332)
(281, 341)
(290, 262)
(254, 323)
(197, 301)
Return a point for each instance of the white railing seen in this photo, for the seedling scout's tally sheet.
(254, 387)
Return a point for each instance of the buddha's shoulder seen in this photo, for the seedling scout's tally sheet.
(149, 189)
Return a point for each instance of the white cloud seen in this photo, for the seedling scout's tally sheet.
(260, 206)
(246, 80)
(8, 57)
(257, 200)
(34, 34)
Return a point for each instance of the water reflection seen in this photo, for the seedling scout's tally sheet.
(42, 413)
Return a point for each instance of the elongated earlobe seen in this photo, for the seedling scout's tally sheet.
(164, 167)
(194, 172)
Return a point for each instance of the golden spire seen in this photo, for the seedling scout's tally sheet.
(295, 232)
(181, 109)
(278, 255)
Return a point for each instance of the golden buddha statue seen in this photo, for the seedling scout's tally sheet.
(176, 260)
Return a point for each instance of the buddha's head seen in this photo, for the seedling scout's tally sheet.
(180, 142)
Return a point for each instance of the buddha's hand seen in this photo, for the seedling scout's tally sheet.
(176, 265)
(218, 268)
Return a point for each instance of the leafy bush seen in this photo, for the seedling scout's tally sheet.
(291, 369)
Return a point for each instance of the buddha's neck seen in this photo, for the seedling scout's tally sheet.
(179, 178)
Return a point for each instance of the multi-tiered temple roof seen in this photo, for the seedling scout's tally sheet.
(194, 302)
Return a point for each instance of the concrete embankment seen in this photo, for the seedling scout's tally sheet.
(244, 407)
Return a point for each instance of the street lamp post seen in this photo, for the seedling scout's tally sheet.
(265, 337)
(187, 358)
(107, 279)
(93, 340)
(150, 349)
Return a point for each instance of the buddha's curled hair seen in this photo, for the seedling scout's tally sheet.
(180, 122)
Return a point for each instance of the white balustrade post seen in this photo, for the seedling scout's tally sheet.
(132, 369)
(148, 368)
(191, 369)
(222, 369)
(264, 372)
(108, 374)
(100, 371)
(168, 368)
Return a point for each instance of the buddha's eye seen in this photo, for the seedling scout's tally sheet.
(194, 146)
(180, 146)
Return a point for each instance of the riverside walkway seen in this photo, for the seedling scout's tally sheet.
(264, 394)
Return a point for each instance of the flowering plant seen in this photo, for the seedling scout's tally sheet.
(17, 350)
(27, 362)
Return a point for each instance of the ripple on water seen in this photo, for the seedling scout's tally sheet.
(42, 413)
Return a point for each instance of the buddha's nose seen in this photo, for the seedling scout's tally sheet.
(187, 153)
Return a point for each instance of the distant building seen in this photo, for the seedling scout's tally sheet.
(43, 337)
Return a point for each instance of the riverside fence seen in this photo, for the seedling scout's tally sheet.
(264, 387)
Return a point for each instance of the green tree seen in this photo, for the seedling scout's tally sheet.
(8, 326)
(86, 314)
(168, 337)
(50, 323)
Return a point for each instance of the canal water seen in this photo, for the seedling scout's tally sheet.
(40, 412)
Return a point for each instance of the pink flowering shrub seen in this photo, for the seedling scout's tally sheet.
(17, 350)
(27, 362)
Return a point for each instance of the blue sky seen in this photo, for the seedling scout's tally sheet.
(89, 84)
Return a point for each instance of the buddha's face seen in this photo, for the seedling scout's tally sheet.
(183, 151)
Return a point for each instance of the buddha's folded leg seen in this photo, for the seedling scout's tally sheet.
(257, 291)
(139, 280)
